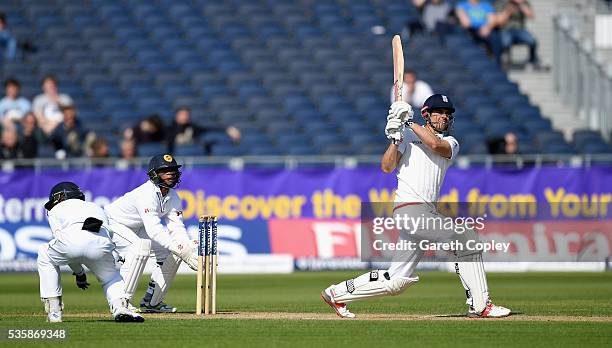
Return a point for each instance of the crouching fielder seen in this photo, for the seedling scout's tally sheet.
(80, 237)
(150, 218)
(422, 154)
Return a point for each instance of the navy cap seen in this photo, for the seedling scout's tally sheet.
(439, 101)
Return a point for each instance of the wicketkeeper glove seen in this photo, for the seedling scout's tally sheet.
(81, 280)
(186, 253)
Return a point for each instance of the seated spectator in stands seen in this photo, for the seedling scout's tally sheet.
(480, 20)
(99, 148)
(148, 130)
(128, 149)
(511, 16)
(8, 43)
(128, 153)
(47, 105)
(68, 138)
(508, 145)
(31, 136)
(415, 91)
(12, 106)
(183, 131)
(9, 143)
(435, 15)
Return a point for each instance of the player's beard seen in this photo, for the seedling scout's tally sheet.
(172, 182)
(437, 126)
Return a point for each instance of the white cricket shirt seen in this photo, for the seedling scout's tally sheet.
(145, 207)
(72, 213)
(421, 171)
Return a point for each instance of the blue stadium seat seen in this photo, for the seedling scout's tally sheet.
(189, 150)
(304, 116)
(546, 137)
(596, 148)
(476, 148)
(582, 137)
(227, 150)
(151, 149)
(301, 150)
(556, 147)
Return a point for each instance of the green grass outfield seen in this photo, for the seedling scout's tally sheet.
(553, 309)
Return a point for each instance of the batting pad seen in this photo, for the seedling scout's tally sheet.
(163, 276)
(136, 266)
(474, 279)
(370, 285)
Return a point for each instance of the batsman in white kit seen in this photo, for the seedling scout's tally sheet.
(80, 237)
(421, 155)
(149, 219)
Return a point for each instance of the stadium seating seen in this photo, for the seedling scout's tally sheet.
(257, 64)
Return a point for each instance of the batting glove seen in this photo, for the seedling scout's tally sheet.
(401, 110)
(81, 280)
(393, 130)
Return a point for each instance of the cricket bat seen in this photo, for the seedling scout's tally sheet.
(398, 67)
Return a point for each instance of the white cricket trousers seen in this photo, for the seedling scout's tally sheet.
(127, 242)
(75, 246)
(404, 262)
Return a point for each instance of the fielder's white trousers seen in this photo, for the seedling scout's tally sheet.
(126, 243)
(75, 246)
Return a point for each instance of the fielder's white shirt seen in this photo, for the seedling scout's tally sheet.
(421, 171)
(144, 208)
(71, 214)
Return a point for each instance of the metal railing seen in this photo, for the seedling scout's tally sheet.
(292, 162)
(581, 75)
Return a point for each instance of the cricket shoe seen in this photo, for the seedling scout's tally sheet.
(132, 308)
(54, 317)
(159, 308)
(340, 308)
(490, 311)
(124, 315)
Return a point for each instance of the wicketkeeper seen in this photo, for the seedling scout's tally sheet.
(421, 155)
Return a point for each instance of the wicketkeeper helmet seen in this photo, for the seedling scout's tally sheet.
(63, 191)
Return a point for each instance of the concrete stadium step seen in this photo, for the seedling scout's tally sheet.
(539, 88)
(538, 85)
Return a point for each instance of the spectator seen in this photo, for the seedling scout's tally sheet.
(12, 106)
(31, 136)
(184, 131)
(508, 145)
(99, 148)
(7, 41)
(511, 21)
(128, 149)
(47, 105)
(415, 91)
(9, 143)
(68, 137)
(128, 153)
(435, 16)
(148, 130)
(480, 20)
